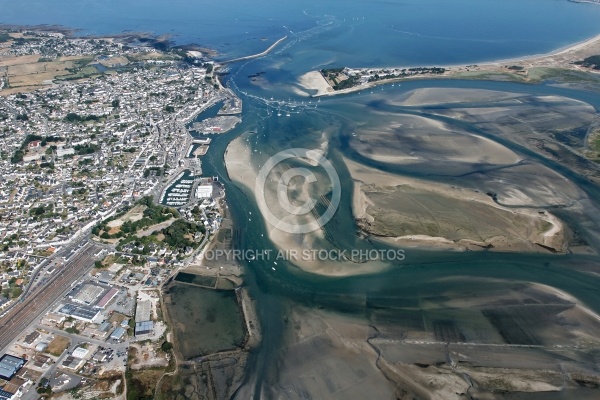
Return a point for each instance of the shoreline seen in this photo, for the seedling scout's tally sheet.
(561, 58)
(160, 42)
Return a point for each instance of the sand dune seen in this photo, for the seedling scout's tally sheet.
(314, 81)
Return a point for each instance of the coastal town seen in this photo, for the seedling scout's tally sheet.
(102, 202)
(137, 256)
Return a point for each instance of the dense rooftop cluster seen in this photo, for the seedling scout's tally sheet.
(80, 151)
(52, 44)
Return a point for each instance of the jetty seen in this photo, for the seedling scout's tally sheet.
(264, 53)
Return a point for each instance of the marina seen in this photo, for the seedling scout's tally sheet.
(180, 192)
(187, 189)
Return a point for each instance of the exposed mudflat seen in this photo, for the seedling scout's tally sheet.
(411, 212)
(427, 171)
(484, 341)
(424, 144)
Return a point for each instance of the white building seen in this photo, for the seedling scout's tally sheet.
(80, 352)
(204, 191)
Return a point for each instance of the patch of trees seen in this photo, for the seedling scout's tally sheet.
(136, 389)
(153, 214)
(333, 74)
(44, 387)
(42, 212)
(179, 235)
(18, 156)
(23, 41)
(158, 171)
(592, 62)
(37, 211)
(86, 161)
(73, 117)
(83, 149)
(175, 235)
(335, 71)
(347, 83)
(69, 78)
(166, 346)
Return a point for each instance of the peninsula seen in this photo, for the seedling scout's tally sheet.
(563, 63)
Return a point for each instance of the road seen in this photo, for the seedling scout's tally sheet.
(66, 252)
(41, 298)
(76, 341)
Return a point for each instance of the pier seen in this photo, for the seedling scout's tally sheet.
(264, 53)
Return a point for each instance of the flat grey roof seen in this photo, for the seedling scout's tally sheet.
(118, 333)
(143, 327)
(79, 311)
(9, 365)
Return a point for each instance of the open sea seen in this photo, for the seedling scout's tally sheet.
(357, 32)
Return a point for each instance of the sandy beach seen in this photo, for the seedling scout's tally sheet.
(313, 80)
(562, 58)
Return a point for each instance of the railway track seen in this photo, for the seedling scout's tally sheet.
(38, 301)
